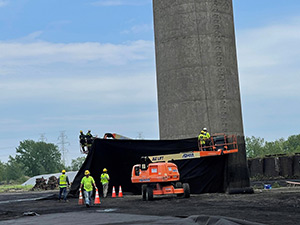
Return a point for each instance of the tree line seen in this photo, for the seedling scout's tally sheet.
(34, 158)
(257, 147)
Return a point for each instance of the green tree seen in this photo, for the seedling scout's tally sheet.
(2, 172)
(274, 147)
(254, 146)
(14, 170)
(77, 163)
(38, 157)
(257, 147)
(292, 144)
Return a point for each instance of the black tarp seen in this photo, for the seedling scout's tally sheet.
(205, 175)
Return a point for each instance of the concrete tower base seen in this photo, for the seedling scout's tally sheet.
(197, 75)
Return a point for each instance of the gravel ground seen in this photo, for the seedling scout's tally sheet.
(275, 206)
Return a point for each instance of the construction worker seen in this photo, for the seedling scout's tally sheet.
(201, 139)
(63, 183)
(206, 133)
(82, 139)
(207, 137)
(89, 140)
(87, 183)
(104, 180)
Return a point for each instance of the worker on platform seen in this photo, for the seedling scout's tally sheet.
(104, 181)
(87, 182)
(201, 139)
(89, 140)
(206, 133)
(63, 183)
(206, 137)
(82, 139)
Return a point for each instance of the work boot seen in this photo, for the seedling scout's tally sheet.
(87, 205)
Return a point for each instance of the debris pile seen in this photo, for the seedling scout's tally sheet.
(40, 183)
(52, 183)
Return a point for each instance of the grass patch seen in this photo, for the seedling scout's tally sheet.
(276, 185)
(15, 188)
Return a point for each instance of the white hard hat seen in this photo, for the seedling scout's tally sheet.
(205, 128)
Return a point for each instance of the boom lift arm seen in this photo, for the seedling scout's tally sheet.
(220, 144)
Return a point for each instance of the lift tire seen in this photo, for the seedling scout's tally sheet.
(178, 185)
(144, 190)
(186, 190)
(149, 194)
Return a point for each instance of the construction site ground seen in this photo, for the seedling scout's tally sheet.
(274, 206)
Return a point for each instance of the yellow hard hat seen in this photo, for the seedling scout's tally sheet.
(81, 131)
(63, 171)
(86, 172)
(104, 170)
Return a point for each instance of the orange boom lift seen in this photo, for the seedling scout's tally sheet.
(158, 176)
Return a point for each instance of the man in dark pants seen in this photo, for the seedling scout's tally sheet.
(89, 140)
(82, 139)
(63, 182)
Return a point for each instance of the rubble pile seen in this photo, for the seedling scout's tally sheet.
(40, 184)
(52, 183)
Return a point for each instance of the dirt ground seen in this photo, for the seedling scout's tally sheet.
(275, 206)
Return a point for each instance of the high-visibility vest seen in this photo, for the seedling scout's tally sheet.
(62, 181)
(202, 138)
(104, 178)
(87, 183)
(207, 135)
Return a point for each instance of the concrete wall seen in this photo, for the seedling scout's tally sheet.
(275, 167)
(197, 76)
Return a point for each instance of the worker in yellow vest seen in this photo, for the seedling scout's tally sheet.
(63, 183)
(201, 139)
(87, 182)
(206, 137)
(104, 181)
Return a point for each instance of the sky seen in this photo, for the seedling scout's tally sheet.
(71, 65)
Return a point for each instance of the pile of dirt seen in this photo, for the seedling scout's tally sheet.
(41, 184)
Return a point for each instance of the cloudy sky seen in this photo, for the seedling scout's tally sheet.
(76, 65)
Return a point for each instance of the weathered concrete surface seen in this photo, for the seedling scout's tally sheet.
(256, 167)
(197, 76)
(271, 167)
(296, 165)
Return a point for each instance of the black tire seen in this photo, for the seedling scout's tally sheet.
(149, 194)
(144, 190)
(178, 185)
(186, 189)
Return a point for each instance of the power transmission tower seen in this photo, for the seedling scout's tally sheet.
(63, 142)
(43, 138)
(140, 135)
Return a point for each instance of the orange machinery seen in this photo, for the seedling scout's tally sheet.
(158, 176)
